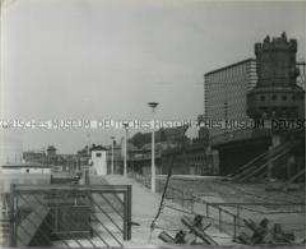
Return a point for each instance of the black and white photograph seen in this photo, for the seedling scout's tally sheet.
(152, 124)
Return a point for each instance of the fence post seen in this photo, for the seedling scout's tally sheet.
(220, 218)
(127, 213)
(13, 234)
(235, 227)
(193, 201)
(238, 214)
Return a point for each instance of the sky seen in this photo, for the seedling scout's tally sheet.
(95, 59)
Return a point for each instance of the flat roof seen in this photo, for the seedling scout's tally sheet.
(98, 148)
(24, 165)
(230, 66)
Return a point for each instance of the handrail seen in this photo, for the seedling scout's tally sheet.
(292, 179)
(269, 155)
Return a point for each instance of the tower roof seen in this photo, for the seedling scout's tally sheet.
(97, 147)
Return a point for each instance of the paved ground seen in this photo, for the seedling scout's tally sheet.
(144, 207)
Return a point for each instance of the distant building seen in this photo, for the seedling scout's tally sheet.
(139, 159)
(68, 162)
(51, 151)
(23, 173)
(188, 157)
(118, 158)
(176, 150)
(29, 168)
(225, 92)
(83, 157)
(35, 157)
(57, 162)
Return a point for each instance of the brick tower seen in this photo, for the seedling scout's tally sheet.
(277, 97)
(276, 94)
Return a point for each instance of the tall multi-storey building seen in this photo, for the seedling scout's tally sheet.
(225, 91)
(225, 98)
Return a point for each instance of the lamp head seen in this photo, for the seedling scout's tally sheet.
(153, 105)
(126, 125)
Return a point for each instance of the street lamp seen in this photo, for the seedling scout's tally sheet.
(112, 170)
(126, 125)
(153, 105)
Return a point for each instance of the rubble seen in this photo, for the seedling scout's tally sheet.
(265, 233)
(196, 230)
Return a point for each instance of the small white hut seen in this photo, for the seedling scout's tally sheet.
(98, 159)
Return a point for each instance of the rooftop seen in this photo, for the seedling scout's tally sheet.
(230, 66)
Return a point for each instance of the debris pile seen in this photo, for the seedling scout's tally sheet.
(195, 236)
(264, 233)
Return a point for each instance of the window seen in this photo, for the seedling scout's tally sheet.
(262, 98)
(274, 97)
(98, 155)
(284, 97)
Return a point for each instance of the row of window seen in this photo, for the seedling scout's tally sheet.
(283, 97)
(292, 110)
(199, 158)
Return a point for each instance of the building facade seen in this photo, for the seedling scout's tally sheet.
(225, 92)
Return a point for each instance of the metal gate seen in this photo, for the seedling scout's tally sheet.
(70, 216)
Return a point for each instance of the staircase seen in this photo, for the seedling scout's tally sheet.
(257, 167)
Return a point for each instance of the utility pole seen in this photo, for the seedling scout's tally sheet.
(153, 105)
(112, 171)
(126, 125)
(89, 157)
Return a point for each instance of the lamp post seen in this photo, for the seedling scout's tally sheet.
(86, 170)
(153, 105)
(112, 170)
(126, 125)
